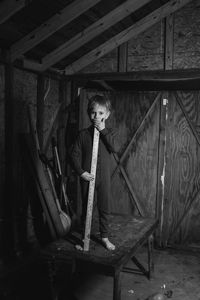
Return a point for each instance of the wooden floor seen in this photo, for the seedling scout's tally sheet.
(179, 271)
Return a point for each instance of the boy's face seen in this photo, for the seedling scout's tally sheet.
(99, 112)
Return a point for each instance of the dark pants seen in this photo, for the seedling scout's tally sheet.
(100, 205)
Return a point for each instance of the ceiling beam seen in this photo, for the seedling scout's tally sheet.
(92, 31)
(31, 65)
(125, 35)
(60, 19)
(9, 8)
(147, 75)
(104, 85)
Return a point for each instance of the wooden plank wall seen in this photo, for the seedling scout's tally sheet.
(182, 189)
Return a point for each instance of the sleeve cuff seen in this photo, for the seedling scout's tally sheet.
(80, 172)
(104, 131)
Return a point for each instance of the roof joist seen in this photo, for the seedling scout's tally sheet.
(92, 31)
(138, 27)
(62, 18)
(9, 8)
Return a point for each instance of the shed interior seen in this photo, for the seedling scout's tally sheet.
(144, 56)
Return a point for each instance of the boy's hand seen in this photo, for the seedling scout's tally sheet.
(87, 176)
(99, 124)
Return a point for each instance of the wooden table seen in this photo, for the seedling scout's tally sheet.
(128, 234)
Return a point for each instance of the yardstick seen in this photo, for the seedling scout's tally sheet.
(91, 190)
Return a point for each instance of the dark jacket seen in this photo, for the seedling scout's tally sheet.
(81, 153)
(81, 156)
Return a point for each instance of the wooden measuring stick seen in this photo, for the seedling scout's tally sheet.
(91, 190)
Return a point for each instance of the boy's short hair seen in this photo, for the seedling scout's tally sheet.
(99, 99)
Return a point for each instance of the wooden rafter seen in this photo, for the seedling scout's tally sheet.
(92, 31)
(52, 25)
(9, 8)
(138, 27)
(32, 65)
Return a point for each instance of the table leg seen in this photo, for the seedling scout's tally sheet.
(51, 277)
(150, 256)
(117, 285)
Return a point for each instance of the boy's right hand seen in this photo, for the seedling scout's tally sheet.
(87, 176)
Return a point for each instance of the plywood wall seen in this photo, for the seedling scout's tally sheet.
(182, 189)
(187, 37)
(146, 51)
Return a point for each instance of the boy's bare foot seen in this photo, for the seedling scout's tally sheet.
(108, 244)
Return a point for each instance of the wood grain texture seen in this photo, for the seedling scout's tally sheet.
(122, 57)
(125, 35)
(182, 172)
(186, 36)
(145, 62)
(91, 32)
(141, 161)
(127, 234)
(107, 63)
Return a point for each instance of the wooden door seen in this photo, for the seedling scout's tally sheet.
(136, 115)
(181, 205)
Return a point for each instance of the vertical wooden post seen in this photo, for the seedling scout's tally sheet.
(122, 57)
(10, 146)
(40, 109)
(61, 132)
(169, 40)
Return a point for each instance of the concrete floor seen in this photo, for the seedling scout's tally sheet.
(178, 270)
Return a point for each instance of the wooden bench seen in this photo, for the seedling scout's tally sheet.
(128, 234)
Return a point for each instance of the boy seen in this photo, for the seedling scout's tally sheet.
(98, 110)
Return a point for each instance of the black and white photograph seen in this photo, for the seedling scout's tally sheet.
(99, 150)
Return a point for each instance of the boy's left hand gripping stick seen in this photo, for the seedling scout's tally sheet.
(91, 190)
